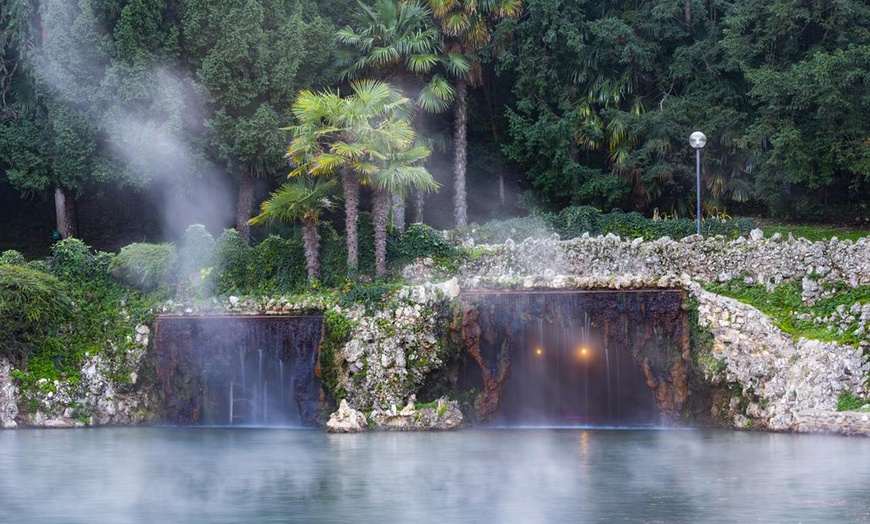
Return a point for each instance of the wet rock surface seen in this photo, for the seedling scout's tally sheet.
(346, 420)
(8, 397)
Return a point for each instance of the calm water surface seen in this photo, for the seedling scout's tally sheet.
(165, 475)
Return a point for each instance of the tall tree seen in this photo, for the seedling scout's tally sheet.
(467, 26)
(253, 57)
(398, 42)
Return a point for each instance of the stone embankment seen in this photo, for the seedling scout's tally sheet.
(443, 415)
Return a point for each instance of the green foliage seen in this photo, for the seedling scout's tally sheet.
(33, 306)
(278, 265)
(814, 233)
(103, 315)
(73, 260)
(195, 259)
(336, 333)
(232, 263)
(12, 258)
(574, 221)
(372, 295)
(145, 266)
(847, 401)
(419, 240)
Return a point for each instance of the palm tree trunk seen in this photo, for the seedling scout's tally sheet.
(65, 211)
(245, 206)
(460, 145)
(398, 203)
(311, 240)
(350, 186)
(380, 212)
(419, 202)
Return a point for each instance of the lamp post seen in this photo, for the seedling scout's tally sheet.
(698, 140)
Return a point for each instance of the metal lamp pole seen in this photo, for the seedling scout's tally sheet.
(698, 140)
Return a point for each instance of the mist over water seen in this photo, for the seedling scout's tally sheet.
(527, 476)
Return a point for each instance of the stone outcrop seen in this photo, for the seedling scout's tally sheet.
(8, 397)
(391, 351)
(346, 420)
(444, 415)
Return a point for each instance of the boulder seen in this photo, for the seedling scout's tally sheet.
(346, 420)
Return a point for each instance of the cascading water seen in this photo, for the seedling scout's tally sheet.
(240, 370)
(576, 358)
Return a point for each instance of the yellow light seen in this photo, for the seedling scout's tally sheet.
(539, 351)
(583, 351)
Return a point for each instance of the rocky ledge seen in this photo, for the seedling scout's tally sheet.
(840, 422)
(443, 414)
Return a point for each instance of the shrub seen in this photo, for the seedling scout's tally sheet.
(278, 265)
(12, 258)
(419, 240)
(33, 305)
(146, 266)
(72, 259)
(232, 263)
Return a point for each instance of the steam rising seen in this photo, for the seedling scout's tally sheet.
(148, 116)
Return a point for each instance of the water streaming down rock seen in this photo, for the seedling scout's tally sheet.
(240, 370)
(572, 358)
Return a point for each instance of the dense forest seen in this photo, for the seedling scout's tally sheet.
(128, 120)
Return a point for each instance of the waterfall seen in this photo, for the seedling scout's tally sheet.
(239, 370)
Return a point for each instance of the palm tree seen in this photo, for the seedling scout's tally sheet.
(399, 172)
(356, 136)
(304, 199)
(397, 40)
(467, 26)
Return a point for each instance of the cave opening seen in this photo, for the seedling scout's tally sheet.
(596, 358)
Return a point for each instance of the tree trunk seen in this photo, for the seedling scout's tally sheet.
(311, 239)
(380, 212)
(687, 11)
(419, 203)
(65, 211)
(460, 145)
(245, 207)
(398, 202)
(350, 186)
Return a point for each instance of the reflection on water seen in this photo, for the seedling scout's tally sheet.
(231, 475)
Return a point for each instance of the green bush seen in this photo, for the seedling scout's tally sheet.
(72, 259)
(12, 258)
(278, 265)
(232, 263)
(33, 305)
(145, 266)
(419, 240)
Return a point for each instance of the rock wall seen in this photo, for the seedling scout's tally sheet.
(776, 378)
(756, 259)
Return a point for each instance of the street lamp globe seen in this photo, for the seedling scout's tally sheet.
(697, 140)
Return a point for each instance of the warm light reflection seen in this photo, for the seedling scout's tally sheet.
(539, 351)
(583, 353)
(584, 447)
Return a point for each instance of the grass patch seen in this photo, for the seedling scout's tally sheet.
(847, 401)
(814, 233)
(783, 304)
